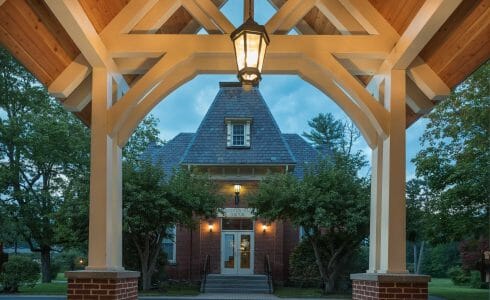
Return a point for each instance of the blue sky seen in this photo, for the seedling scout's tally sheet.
(292, 101)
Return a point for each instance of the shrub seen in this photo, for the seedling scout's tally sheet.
(458, 275)
(17, 271)
(303, 270)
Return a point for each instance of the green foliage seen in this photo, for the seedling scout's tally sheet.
(303, 271)
(331, 203)
(458, 275)
(475, 280)
(69, 259)
(17, 271)
(439, 259)
(43, 148)
(153, 204)
(455, 159)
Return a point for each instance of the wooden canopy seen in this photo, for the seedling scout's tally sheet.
(32, 33)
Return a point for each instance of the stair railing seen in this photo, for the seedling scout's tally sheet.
(205, 271)
(268, 273)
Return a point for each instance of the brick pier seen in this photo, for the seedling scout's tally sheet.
(102, 285)
(373, 286)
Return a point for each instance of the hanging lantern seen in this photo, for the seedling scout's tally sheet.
(250, 41)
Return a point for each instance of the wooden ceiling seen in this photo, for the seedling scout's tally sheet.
(29, 30)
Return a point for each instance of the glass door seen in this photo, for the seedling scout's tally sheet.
(237, 253)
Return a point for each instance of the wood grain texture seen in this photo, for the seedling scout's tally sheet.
(398, 13)
(461, 44)
(101, 12)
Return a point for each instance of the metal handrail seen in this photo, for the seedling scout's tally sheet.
(268, 273)
(205, 271)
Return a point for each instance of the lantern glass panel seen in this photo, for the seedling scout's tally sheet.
(249, 77)
(240, 51)
(253, 43)
(262, 53)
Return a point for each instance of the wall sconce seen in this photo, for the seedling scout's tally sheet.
(237, 188)
(264, 228)
(210, 227)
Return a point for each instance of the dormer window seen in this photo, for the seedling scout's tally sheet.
(238, 132)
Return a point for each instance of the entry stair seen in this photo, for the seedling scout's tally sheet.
(238, 284)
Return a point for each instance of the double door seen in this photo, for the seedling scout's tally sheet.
(237, 255)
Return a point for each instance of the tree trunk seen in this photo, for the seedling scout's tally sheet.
(421, 254)
(46, 264)
(414, 257)
(321, 268)
(146, 279)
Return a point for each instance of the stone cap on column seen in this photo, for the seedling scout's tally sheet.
(380, 277)
(103, 274)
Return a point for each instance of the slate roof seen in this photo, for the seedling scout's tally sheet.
(303, 152)
(267, 145)
(208, 145)
(170, 154)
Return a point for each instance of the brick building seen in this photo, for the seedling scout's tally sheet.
(237, 143)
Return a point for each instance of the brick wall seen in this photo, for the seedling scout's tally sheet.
(97, 288)
(388, 287)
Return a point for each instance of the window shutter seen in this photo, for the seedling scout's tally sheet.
(229, 134)
(247, 134)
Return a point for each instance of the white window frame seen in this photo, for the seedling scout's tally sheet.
(230, 122)
(173, 259)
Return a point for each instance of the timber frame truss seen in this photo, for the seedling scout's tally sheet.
(367, 45)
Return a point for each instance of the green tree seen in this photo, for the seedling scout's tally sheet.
(153, 205)
(455, 161)
(41, 147)
(417, 197)
(331, 203)
(336, 135)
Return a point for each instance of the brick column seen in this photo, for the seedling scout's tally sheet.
(375, 286)
(102, 285)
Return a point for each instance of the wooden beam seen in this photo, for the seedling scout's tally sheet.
(76, 23)
(302, 27)
(340, 17)
(224, 64)
(146, 45)
(156, 17)
(377, 115)
(136, 65)
(421, 73)
(416, 100)
(208, 7)
(79, 69)
(80, 97)
(128, 17)
(428, 20)
(288, 16)
(70, 78)
(203, 19)
(427, 80)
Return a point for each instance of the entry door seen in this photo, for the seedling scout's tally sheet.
(237, 253)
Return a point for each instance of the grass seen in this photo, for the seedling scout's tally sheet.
(295, 292)
(45, 289)
(445, 288)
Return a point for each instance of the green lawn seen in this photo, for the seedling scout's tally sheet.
(45, 289)
(294, 292)
(445, 288)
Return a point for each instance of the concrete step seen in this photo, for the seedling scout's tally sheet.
(240, 284)
(237, 285)
(237, 290)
